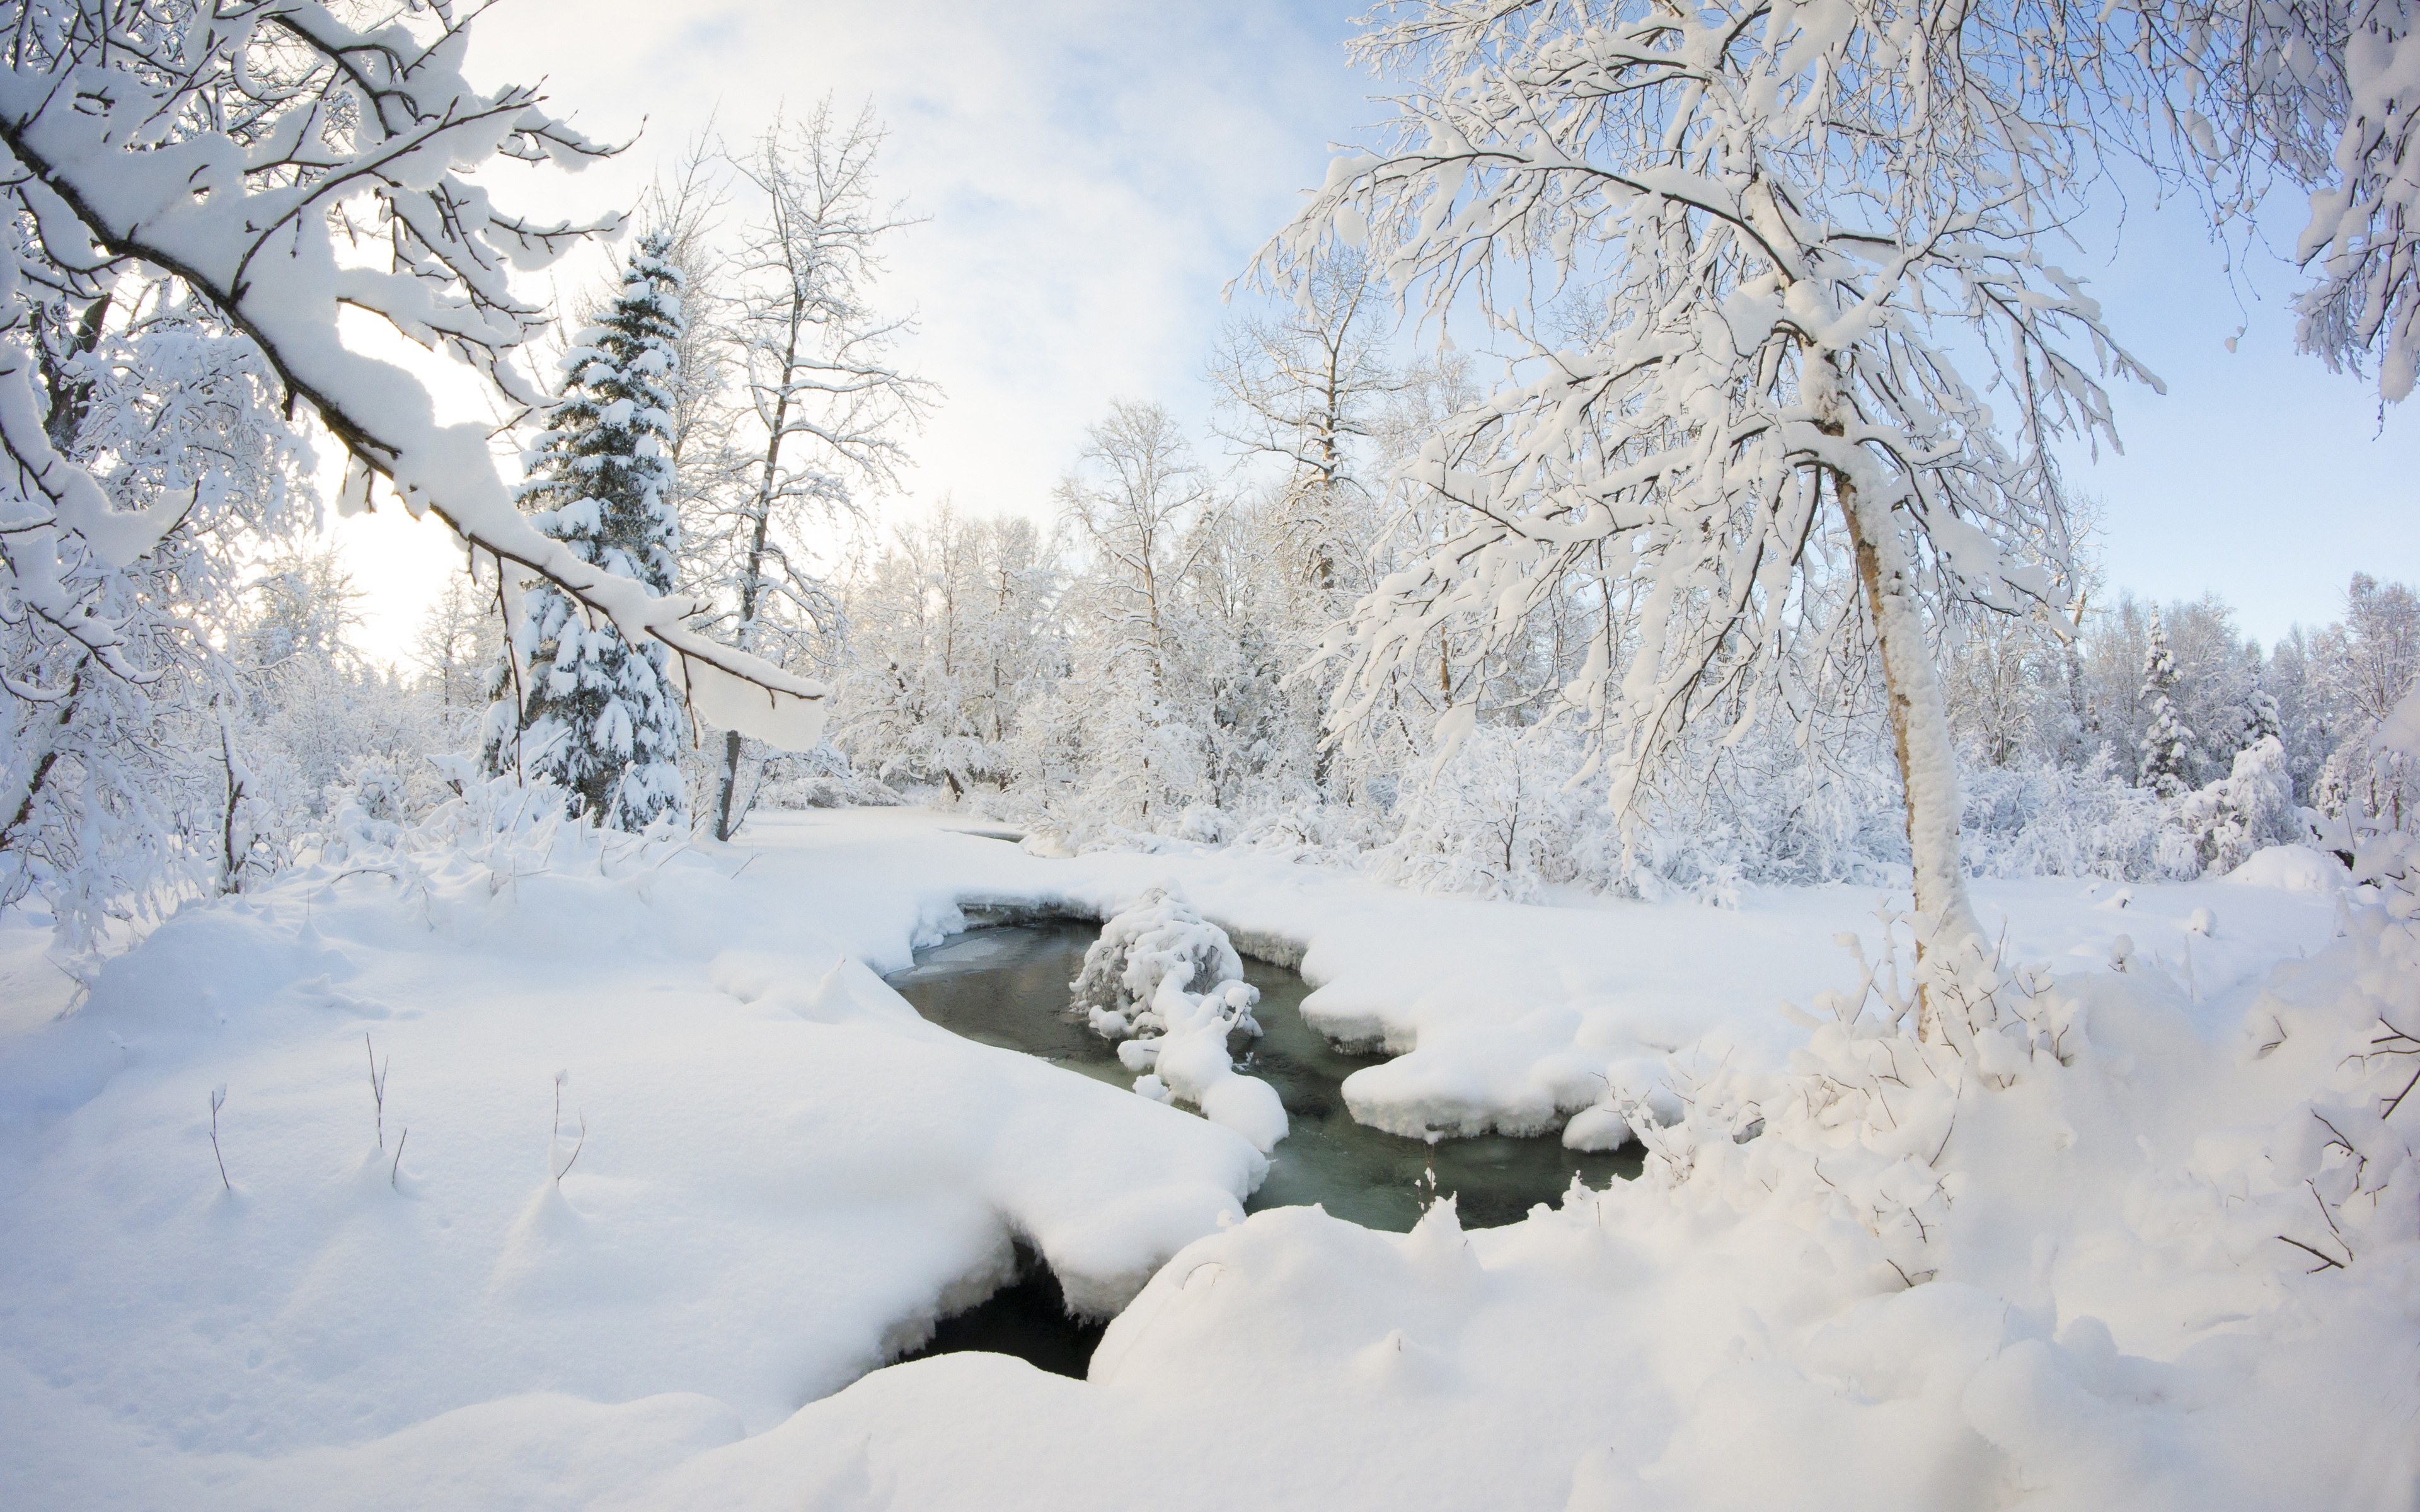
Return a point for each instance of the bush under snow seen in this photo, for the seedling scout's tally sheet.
(1135, 983)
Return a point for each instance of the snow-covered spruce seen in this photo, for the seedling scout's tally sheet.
(2168, 744)
(579, 706)
(1135, 983)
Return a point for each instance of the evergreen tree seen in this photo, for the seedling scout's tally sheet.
(2168, 744)
(595, 714)
(2262, 720)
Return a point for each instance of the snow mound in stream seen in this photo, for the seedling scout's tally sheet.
(1134, 983)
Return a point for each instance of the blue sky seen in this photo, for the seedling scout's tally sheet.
(1092, 171)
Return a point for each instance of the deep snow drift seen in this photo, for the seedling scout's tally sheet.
(785, 1176)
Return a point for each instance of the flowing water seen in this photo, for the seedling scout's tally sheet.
(1008, 986)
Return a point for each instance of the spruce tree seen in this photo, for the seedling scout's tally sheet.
(2261, 719)
(2167, 744)
(596, 715)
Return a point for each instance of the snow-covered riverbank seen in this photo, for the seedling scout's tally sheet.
(786, 1177)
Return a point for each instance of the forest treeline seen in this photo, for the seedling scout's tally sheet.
(1716, 569)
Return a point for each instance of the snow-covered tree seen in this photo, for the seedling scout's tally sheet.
(1497, 818)
(828, 408)
(2319, 93)
(115, 763)
(2262, 720)
(1138, 501)
(2250, 807)
(579, 705)
(458, 645)
(1303, 387)
(2371, 656)
(952, 630)
(1740, 257)
(244, 149)
(2169, 753)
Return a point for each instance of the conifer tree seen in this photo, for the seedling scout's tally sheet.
(2167, 744)
(595, 714)
(2261, 718)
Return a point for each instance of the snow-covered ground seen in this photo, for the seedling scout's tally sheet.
(786, 1177)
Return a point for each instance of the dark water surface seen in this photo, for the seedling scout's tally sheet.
(1008, 987)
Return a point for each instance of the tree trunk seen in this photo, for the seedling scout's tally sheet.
(1919, 721)
(724, 822)
(50, 748)
(751, 591)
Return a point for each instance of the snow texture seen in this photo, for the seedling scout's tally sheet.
(785, 1176)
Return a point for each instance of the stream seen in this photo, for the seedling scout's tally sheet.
(1007, 986)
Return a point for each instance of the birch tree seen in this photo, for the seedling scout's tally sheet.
(1304, 386)
(829, 406)
(1740, 258)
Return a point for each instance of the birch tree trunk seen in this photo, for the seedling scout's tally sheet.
(1919, 723)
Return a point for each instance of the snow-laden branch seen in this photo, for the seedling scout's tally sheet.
(229, 146)
(1742, 258)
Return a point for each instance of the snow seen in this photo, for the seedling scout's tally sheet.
(1135, 980)
(2294, 868)
(786, 1177)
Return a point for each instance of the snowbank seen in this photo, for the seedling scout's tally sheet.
(785, 1178)
(2111, 1311)
(2294, 868)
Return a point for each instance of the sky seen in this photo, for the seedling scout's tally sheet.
(1090, 174)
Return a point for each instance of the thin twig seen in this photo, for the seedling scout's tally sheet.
(2397, 1101)
(378, 1087)
(2326, 1261)
(218, 1097)
(574, 1151)
(396, 1171)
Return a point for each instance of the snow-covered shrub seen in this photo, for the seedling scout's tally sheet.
(1495, 818)
(1136, 982)
(2369, 786)
(1157, 935)
(823, 778)
(1204, 825)
(2039, 819)
(369, 810)
(1760, 811)
(2339, 1176)
(1855, 1138)
(2250, 809)
(1322, 834)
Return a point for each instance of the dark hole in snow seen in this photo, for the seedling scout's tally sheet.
(1027, 1318)
(1007, 986)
